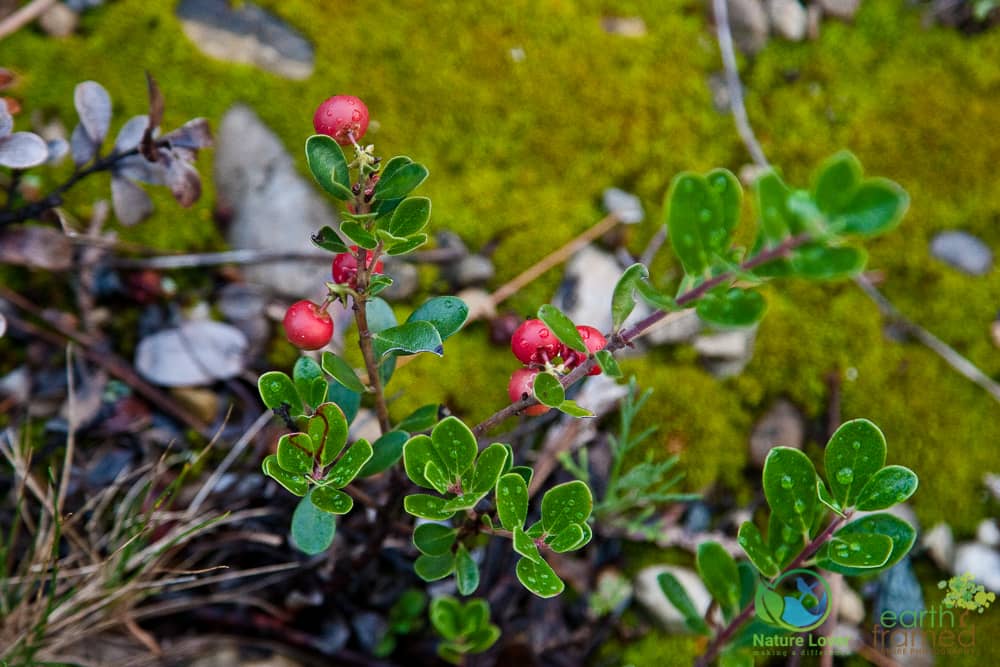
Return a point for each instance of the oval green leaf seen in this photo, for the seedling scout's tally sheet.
(312, 528)
(790, 487)
(678, 597)
(889, 486)
(331, 500)
(399, 182)
(856, 451)
(434, 539)
(295, 453)
(388, 449)
(732, 308)
(752, 543)
(539, 578)
(562, 327)
(342, 372)
(328, 165)
(900, 532)
(426, 507)
(446, 313)
(692, 209)
(296, 484)
(410, 216)
(565, 504)
(466, 572)
(276, 389)
(409, 338)
(548, 390)
(347, 468)
(512, 501)
(860, 550)
(432, 568)
(623, 296)
(718, 570)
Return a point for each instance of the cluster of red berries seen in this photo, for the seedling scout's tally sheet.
(536, 346)
(308, 325)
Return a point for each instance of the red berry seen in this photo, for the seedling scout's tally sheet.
(522, 383)
(345, 267)
(594, 340)
(534, 343)
(341, 116)
(307, 327)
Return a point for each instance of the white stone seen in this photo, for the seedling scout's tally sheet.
(982, 562)
(651, 597)
(788, 18)
(196, 353)
(987, 533)
(940, 545)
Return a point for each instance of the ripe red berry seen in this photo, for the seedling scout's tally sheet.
(345, 267)
(307, 327)
(340, 116)
(594, 340)
(534, 343)
(521, 384)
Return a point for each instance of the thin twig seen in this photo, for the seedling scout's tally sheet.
(24, 16)
(233, 454)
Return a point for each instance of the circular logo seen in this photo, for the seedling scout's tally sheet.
(798, 600)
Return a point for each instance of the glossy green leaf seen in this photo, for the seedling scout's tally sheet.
(568, 538)
(399, 182)
(347, 468)
(378, 282)
(434, 539)
(562, 327)
(608, 365)
(489, 466)
(328, 431)
(820, 262)
(380, 315)
(432, 568)
(394, 164)
(784, 541)
(481, 640)
(295, 453)
(860, 550)
(693, 211)
(342, 372)
(573, 409)
(331, 500)
(836, 181)
(889, 486)
(825, 497)
(446, 313)
(294, 483)
(463, 502)
(790, 487)
(387, 450)
(417, 452)
(409, 338)
(525, 545)
(446, 616)
(623, 296)
(327, 239)
(855, 453)
(407, 245)
(512, 500)
(539, 578)
(749, 577)
(655, 297)
(730, 194)
(565, 504)
(348, 401)
(328, 165)
(900, 532)
(875, 207)
(678, 597)
(304, 373)
(422, 419)
(718, 570)
(357, 233)
(426, 507)
(525, 473)
(776, 221)
(312, 528)
(732, 308)
(438, 479)
(548, 390)
(466, 572)
(752, 543)
(455, 444)
(410, 216)
(277, 389)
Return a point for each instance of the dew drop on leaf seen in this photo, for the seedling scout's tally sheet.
(856, 445)
(799, 506)
(786, 481)
(845, 475)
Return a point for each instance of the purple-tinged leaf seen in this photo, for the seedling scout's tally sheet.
(138, 168)
(193, 135)
(131, 203)
(83, 148)
(156, 101)
(130, 133)
(6, 120)
(22, 150)
(94, 106)
(57, 150)
(183, 181)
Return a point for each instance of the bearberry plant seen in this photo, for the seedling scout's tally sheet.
(463, 491)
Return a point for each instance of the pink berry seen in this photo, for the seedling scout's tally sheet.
(521, 385)
(340, 117)
(345, 267)
(594, 340)
(533, 343)
(307, 326)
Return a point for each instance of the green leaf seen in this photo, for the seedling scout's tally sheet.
(608, 365)
(328, 165)
(887, 487)
(855, 453)
(399, 182)
(434, 539)
(331, 500)
(342, 372)
(426, 507)
(565, 504)
(407, 245)
(568, 538)
(718, 570)
(730, 193)
(573, 409)
(525, 545)
(312, 528)
(784, 541)
(548, 390)
(820, 262)
(512, 501)
(348, 401)
(417, 452)
(349, 465)
(678, 597)
(394, 164)
(410, 216)
(790, 487)
(900, 532)
(539, 578)
(823, 494)
(432, 568)
(749, 576)
(655, 297)
(776, 221)
(693, 211)
(328, 431)
(304, 373)
(481, 640)
(294, 483)
(380, 315)
(388, 449)
(463, 502)
(421, 419)
(295, 453)
(455, 445)
(409, 338)
(277, 389)
(875, 207)
(623, 297)
(861, 550)
(752, 543)
(525, 472)
(562, 327)
(836, 181)
(446, 616)
(446, 313)
(327, 239)
(438, 479)
(358, 234)
(733, 308)
(466, 572)
(378, 282)
(489, 467)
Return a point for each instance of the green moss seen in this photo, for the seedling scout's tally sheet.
(656, 649)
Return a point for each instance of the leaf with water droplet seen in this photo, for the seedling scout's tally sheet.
(539, 578)
(446, 313)
(860, 550)
(690, 194)
(562, 503)
(512, 500)
(731, 308)
(277, 389)
(848, 468)
(788, 476)
(887, 487)
(880, 525)
(752, 543)
(295, 453)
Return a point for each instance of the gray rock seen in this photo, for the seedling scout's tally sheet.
(781, 425)
(59, 20)
(963, 251)
(651, 597)
(405, 281)
(788, 18)
(195, 353)
(272, 206)
(992, 484)
(940, 545)
(698, 518)
(588, 283)
(720, 92)
(625, 205)
(246, 34)
(854, 639)
(447, 240)
(244, 306)
(626, 26)
(480, 303)
(841, 9)
(979, 560)
(995, 333)
(726, 353)
(987, 533)
(679, 327)
(851, 608)
(469, 271)
(749, 24)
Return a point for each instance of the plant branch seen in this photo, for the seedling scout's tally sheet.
(24, 16)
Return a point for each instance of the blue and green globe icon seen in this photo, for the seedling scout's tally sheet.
(798, 600)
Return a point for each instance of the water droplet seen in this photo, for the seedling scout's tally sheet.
(855, 546)
(845, 475)
(799, 506)
(544, 333)
(579, 515)
(786, 481)
(705, 215)
(356, 116)
(856, 444)
(570, 502)
(687, 239)
(687, 186)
